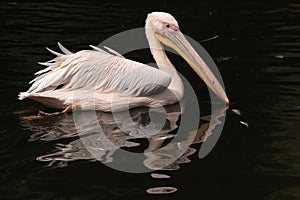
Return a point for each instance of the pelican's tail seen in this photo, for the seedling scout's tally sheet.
(43, 80)
(23, 95)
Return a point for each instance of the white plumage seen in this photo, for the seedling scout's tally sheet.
(99, 71)
(105, 80)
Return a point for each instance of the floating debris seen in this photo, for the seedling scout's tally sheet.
(223, 58)
(209, 39)
(244, 123)
(279, 56)
(236, 111)
(162, 190)
(156, 175)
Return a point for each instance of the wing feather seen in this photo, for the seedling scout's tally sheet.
(63, 49)
(98, 70)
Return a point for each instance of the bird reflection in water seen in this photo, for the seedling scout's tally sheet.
(123, 133)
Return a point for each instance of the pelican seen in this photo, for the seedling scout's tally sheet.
(106, 81)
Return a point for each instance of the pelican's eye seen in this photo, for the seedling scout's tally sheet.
(168, 25)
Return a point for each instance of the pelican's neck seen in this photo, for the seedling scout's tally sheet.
(163, 62)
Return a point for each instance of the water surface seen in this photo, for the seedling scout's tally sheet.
(257, 51)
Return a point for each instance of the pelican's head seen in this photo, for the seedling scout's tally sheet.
(161, 21)
(164, 28)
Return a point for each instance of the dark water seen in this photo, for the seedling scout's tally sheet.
(257, 51)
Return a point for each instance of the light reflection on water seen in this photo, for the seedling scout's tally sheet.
(123, 134)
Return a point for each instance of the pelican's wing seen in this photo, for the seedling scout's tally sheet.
(98, 70)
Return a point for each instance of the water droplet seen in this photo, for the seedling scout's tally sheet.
(156, 175)
(162, 190)
(244, 123)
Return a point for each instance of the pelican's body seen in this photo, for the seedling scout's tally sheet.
(101, 80)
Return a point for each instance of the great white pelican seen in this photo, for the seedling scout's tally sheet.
(98, 79)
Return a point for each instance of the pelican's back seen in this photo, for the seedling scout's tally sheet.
(96, 71)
